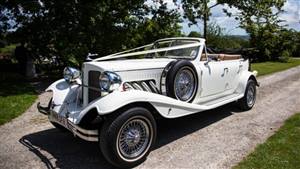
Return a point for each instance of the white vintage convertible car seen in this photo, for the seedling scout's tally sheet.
(116, 99)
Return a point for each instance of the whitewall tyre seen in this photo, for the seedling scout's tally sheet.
(126, 140)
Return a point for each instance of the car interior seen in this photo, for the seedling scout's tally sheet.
(209, 53)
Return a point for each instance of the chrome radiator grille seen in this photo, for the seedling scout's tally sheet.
(93, 84)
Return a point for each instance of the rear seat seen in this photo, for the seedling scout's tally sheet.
(228, 57)
(222, 57)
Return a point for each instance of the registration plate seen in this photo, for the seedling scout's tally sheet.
(60, 119)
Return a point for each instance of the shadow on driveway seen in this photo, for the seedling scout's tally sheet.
(70, 152)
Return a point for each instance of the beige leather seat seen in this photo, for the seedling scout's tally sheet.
(221, 57)
(229, 57)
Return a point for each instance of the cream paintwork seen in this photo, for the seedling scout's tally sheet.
(219, 82)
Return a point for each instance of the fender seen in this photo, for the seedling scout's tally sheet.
(165, 106)
(168, 107)
(246, 75)
(63, 92)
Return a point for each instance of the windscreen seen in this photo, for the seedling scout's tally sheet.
(166, 48)
(187, 53)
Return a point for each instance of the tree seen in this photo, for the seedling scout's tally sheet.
(194, 34)
(163, 23)
(71, 29)
(195, 10)
(219, 41)
(261, 21)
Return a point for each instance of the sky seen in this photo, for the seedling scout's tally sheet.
(291, 15)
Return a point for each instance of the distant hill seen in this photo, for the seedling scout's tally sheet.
(244, 37)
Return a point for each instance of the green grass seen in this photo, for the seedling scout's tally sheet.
(265, 68)
(280, 151)
(16, 95)
(8, 49)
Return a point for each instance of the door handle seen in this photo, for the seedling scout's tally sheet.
(225, 71)
(240, 68)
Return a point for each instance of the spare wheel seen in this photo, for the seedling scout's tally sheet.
(181, 81)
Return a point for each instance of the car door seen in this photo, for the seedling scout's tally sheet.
(232, 70)
(213, 77)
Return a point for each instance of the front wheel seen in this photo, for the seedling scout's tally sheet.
(126, 140)
(248, 101)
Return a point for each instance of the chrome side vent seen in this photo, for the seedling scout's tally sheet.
(137, 86)
(153, 86)
(147, 85)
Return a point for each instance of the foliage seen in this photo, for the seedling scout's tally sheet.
(282, 150)
(273, 42)
(296, 38)
(71, 29)
(195, 10)
(194, 34)
(258, 18)
(262, 23)
(8, 50)
(269, 67)
(15, 96)
(217, 38)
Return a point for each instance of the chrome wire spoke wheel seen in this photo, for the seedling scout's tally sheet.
(184, 84)
(134, 138)
(251, 96)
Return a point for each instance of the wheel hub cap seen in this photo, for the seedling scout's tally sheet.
(251, 96)
(133, 139)
(184, 85)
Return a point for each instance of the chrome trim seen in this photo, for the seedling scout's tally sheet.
(114, 81)
(146, 87)
(70, 74)
(129, 70)
(151, 83)
(88, 135)
(137, 86)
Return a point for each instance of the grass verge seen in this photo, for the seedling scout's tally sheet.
(282, 150)
(265, 68)
(16, 95)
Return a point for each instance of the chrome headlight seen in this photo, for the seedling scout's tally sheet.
(109, 81)
(70, 74)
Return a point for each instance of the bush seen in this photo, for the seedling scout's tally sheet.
(284, 56)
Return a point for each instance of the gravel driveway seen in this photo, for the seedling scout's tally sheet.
(219, 138)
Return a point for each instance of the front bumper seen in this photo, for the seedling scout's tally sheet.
(88, 135)
(43, 110)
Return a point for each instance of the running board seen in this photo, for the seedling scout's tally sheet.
(175, 110)
(223, 99)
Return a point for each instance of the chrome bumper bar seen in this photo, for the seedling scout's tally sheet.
(88, 135)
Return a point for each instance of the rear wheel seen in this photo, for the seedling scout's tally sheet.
(248, 101)
(126, 140)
